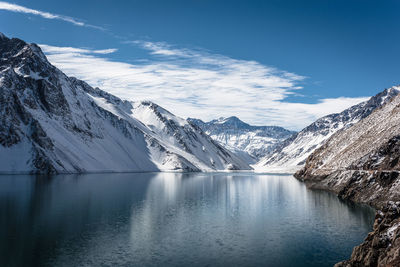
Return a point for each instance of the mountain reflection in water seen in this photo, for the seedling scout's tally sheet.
(175, 219)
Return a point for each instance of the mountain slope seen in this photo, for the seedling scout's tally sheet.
(371, 144)
(362, 163)
(247, 141)
(290, 156)
(52, 123)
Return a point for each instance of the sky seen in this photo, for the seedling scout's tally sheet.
(280, 62)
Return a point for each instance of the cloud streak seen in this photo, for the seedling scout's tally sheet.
(197, 83)
(21, 9)
(73, 50)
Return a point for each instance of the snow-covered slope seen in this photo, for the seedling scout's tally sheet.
(53, 123)
(247, 141)
(363, 146)
(290, 155)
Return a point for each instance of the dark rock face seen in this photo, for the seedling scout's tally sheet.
(385, 158)
(16, 116)
(382, 245)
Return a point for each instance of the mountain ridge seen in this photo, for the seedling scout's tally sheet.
(52, 123)
(291, 154)
(248, 141)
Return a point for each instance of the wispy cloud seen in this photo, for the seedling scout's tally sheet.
(21, 9)
(197, 83)
(71, 50)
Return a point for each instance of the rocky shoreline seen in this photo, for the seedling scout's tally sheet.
(378, 189)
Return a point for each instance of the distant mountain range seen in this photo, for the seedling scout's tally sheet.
(247, 141)
(52, 123)
(275, 149)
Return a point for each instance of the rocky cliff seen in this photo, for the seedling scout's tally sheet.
(361, 163)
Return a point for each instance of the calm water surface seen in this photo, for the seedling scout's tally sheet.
(169, 219)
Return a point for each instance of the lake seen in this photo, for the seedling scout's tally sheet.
(174, 219)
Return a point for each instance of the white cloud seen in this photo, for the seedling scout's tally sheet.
(21, 9)
(196, 83)
(72, 50)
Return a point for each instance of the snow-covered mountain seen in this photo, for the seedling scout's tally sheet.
(291, 154)
(362, 163)
(247, 141)
(367, 145)
(51, 123)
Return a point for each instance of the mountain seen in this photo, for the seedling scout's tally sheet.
(362, 163)
(52, 123)
(247, 141)
(291, 154)
(372, 144)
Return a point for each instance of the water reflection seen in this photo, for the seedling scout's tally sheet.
(244, 220)
(174, 219)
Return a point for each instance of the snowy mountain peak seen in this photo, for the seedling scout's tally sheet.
(2, 36)
(233, 122)
(16, 50)
(52, 123)
(247, 141)
(387, 94)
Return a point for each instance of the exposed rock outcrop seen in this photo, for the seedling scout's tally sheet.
(382, 245)
(361, 163)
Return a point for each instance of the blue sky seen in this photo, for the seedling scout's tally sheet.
(268, 62)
